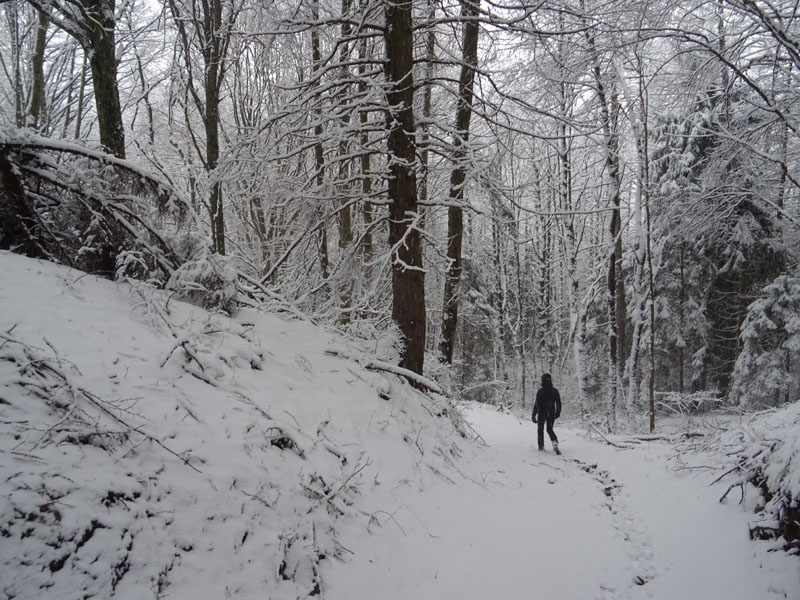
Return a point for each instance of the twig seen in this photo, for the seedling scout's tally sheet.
(96, 401)
(725, 474)
(253, 496)
(372, 517)
(343, 484)
(730, 487)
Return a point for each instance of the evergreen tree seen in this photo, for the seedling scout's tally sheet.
(767, 367)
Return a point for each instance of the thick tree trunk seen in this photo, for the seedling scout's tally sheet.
(103, 63)
(19, 230)
(455, 217)
(408, 277)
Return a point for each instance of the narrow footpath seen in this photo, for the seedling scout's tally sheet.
(597, 523)
(680, 541)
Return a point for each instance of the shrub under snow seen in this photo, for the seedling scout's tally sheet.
(86, 209)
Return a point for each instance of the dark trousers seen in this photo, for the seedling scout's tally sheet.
(550, 431)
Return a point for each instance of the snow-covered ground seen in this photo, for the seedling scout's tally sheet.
(670, 537)
(598, 522)
(149, 449)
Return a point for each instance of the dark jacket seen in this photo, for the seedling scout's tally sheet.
(548, 403)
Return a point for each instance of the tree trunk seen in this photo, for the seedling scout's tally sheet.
(651, 278)
(366, 176)
(636, 116)
(609, 107)
(213, 81)
(682, 322)
(12, 14)
(103, 63)
(521, 329)
(81, 101)
(577, 313)
(427, 102)
(37, 104)
(455, 217)
(345, 214)
(408, 277)
(215, 208)
(319, 155)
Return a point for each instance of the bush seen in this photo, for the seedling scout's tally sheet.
(103, 215)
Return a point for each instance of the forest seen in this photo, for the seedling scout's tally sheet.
(607, 191)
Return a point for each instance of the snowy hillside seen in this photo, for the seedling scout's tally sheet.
(149, 449)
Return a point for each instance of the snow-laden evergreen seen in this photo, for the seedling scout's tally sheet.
(766, 372)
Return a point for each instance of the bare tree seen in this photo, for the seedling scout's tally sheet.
(408, 276)
(206, 29)
(455, 225)
(93, 24)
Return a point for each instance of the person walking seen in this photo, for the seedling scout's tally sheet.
(546, 409)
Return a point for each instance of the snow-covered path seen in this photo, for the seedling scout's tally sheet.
(286, 470)
(598, 523)
(700, 548)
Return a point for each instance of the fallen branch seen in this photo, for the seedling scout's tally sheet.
(725, 474)
(608, 441)
(76, 391)
(372, 364)
(414, 378)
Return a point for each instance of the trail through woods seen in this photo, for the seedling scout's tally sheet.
(598, 522)
(150, 449)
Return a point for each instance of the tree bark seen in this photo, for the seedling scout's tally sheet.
(15, 42)
(455, 218)
(427, 102)
(37, 104)
(345, 213)
(365, 166)
(81, 101)
(609, 109)
(319, 151)
(19, 224)
(213, 55)
(408, 277)
(100, 31)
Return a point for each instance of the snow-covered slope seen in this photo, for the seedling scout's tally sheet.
(151, 449)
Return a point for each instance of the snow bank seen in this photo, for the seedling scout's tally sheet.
(150, 448)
